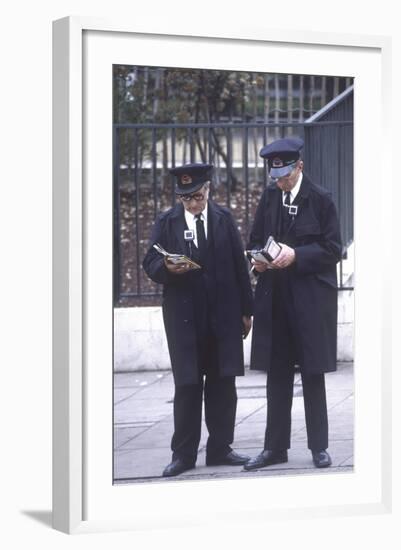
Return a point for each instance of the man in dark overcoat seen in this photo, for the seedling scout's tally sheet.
(206, 313)
(295, 317)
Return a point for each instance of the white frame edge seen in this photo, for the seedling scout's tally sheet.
(68, 338)
(67, 275)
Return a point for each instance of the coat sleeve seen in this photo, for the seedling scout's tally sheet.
(241, 269)
(257, 235)
(327, 250)
(153, 263)
(257, 238)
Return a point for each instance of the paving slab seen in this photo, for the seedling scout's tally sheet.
(138, 379)
(348, 462)
(155, 437)
(121, 394)
(124, 434)
(134, 463)
(247, 407)
(134, 410)
(334, 397)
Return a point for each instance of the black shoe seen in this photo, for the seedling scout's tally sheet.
(231, 459)
(177, 467)
(266, 458)
(321, 459)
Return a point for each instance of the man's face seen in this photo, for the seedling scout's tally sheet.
(288, 182)
(195, 202)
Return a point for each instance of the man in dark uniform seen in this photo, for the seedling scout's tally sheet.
(206, 313)
(295, 319)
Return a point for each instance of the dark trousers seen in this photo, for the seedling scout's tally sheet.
(220, 407)
(220, 397)
(279, 388)
(287, 351)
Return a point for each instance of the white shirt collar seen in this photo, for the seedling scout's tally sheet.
(191, 221)
(294, 190)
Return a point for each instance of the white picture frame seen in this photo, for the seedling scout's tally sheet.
(84, 499)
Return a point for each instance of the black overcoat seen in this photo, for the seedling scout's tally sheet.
(233, 293)
(312, 279)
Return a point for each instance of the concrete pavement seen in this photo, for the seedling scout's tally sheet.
(143, 426)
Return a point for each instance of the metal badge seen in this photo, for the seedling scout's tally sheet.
(189, 235)
(293, 210)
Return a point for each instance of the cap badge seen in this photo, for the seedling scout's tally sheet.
(186, 179)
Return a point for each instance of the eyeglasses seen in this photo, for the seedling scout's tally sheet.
(197, 196)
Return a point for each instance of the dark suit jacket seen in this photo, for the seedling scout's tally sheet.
(312, 279)
(233, 293)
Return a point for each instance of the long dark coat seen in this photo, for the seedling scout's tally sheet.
(233, 291)
(313, 279)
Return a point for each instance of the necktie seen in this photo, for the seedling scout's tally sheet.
(287, 199)
(200, 233)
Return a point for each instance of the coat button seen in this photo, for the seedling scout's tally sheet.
(185, 320)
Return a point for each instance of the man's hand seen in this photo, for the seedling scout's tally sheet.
(260, 267)
(176, 269)
(247, 325)
(285, 258)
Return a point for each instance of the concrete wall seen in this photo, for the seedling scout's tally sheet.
(345, 327)
(140, 342)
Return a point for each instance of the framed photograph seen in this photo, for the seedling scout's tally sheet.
(85, 495)
(164, 117)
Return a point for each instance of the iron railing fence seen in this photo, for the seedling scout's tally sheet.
(144, 153)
